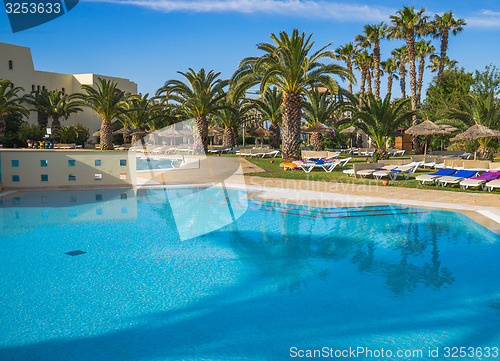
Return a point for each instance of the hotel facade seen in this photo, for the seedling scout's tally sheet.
(16, 65)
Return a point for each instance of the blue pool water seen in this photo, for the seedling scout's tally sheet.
(148, 163)
(280, 276)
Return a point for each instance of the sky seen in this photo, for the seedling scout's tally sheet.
(149, 41)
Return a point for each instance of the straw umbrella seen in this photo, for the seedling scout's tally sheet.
(476, 132)
(351, 131)
(426, 128)
(260, 133)
(316, 131)
(215, 132)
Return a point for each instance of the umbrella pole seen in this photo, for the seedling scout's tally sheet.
(426, 141)
(442, 142)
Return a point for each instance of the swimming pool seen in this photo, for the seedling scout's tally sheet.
(279, 277)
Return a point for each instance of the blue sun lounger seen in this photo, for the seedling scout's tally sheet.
(433, 176)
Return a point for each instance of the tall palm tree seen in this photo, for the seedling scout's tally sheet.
(269, 105)
(436, 61)
(56, 105)
(378, 118)
(372, 34)
(200, 96)
(424, 49)
(362, 60)
(401, 57)
(347, 53)
(10, 102)
(291, 66)
(441, 28)
(318, 108)
(390, 66)
(407, 25)
(108, 102)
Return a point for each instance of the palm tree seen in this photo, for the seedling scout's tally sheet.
(362, 60)
(347, 53)
(37, 99)
(200, 96)
(290, 65)
(318, 108)
(372, 34)
(436, 61)
(141, 112)
(401, 57)
(10, 102)
(390, 66)
(441, 28)
(474, 109)
(407, 24)
(269, 105)
(378, 118)
(56, 105)
(424, 49)
(108, 102)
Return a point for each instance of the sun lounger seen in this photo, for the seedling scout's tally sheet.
(407, 169)
(270, 154)
(479, 181)
(456, 178)
(308, 166)
(433, 176)
(366, 172)
(492, 184)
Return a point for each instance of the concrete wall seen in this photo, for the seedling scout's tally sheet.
(24, 75)
(28, 168)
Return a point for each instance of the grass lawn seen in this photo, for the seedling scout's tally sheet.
(273, 170)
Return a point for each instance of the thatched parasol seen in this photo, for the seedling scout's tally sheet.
(260, 133)
(170, 132)
(426, 128)
(476, 132)
(318, 128)
(450, 129)
(352, 130)
(215, 131)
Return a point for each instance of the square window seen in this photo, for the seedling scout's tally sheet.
(45, 177)
(15, 178)
(123, 196)
(97, 162)
(43, 163)
(98, 197)
(123, 176)
(71, 177)
(71, 163)
(98, 177)
(98, 211)
(15, 163)
(123, 162)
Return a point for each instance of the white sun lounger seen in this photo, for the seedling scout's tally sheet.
(493, 184)
(407, 169)
(455, 179)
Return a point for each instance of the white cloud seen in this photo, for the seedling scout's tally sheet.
(302, 8)
(485, 19)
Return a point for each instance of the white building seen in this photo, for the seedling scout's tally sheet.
(16, 65)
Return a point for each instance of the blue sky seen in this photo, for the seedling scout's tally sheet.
(148, 41)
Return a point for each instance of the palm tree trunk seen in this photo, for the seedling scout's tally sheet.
(389, 83)
(421, 68)
(369, 80)
(410, 43)
(228, 138)
(376, 64)
(363, 83)
(106, 135)
(274, 140)
(292, 108)
(402, 79)
(349, 67)
(444, 46)
(3, 125)
(202, 125)
(43, 120)
(316, 139)
(56, 125)
(136, 137)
